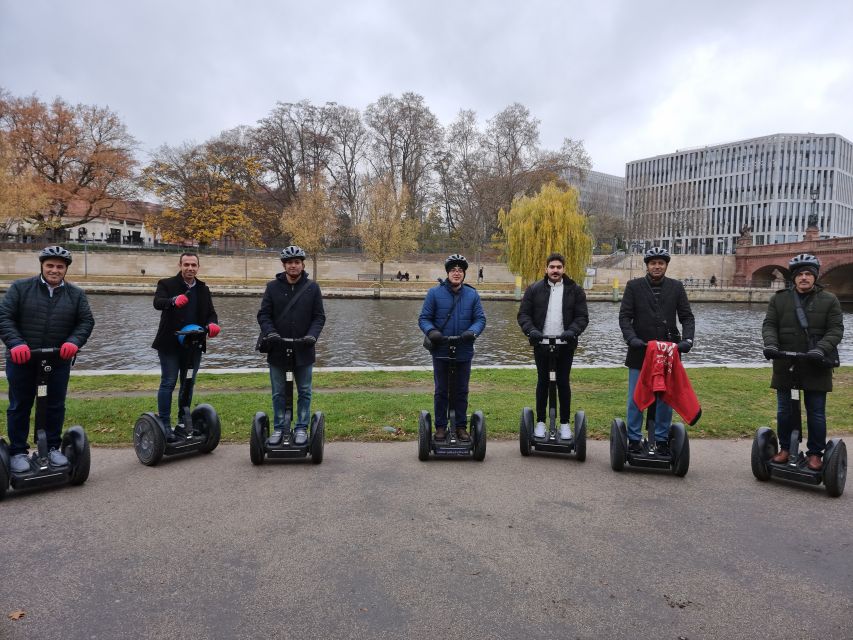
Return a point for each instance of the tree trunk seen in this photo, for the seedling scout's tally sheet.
(314, 266)
(381, 271)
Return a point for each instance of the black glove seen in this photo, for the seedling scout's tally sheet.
(272, 336)
(309, 339)
(569, 336)
(535, 336)
(815, 354)
(468, 336)
(637, 343)
(434, 336)
(685, 345)
(771, 352)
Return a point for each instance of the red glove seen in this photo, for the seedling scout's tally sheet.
(213, 329)
(20, 354)
(68, 350)
(181, 301)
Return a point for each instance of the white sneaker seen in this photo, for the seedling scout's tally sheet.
(539, 431)
(565, 431)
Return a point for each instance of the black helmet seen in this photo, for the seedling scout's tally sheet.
(804, 261)
(288, 253)
(55, 252)
(456, 260)
(656, 252)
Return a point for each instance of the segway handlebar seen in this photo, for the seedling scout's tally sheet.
(453, 339)
(789, 355)
(192, 332)
(286, 340)
(552, 340)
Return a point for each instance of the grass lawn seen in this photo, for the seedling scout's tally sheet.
(358, 405)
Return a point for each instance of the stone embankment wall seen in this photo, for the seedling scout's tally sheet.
(134, 264)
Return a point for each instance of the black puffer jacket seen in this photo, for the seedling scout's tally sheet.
(534, 307)
(305, 318)
(640, 315)
(29, 315)
(782, 329)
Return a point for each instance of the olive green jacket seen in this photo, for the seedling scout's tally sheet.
(782, 329)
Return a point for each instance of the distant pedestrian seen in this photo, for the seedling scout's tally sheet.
(480, 275)
(406, 276)
(713, 280)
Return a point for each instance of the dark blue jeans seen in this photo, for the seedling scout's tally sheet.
(22, 393)
(170, 367)
(302, 380)
(815, 418)
(441, 376)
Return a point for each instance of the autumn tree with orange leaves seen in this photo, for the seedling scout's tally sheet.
(79, 154)
(311, 219)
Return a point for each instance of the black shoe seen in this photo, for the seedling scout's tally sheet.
(635, 446)
(662, 448)
(180, 433)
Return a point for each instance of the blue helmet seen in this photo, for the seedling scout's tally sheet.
(189, 327)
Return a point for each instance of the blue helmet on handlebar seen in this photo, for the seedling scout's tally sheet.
(189, 327)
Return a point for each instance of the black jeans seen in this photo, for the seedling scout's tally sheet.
(441, 376)
(22, 393)
(564, 356)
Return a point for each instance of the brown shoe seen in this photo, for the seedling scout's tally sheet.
(440, 433)
(781, 457)
(814, 462)
(462, 435)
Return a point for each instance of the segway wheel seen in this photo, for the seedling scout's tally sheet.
(764, 447)
(424, 435)
(206, 420)
(580, 436)
(318, 437)
(617, 445)
(835, 471)
(525, 429)
(149, 441)
(4, 468)
(679, 445)
(75, 446)
(260, 427)
(478, 427)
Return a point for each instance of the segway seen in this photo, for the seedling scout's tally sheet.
(451, 446)
(833, 473)
(74, 444)
(677, 460)
(262, 445)
(198, 429)
(551, 441)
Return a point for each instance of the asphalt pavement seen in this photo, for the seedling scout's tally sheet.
(373, 543)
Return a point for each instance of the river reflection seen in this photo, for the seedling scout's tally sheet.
(385, 332)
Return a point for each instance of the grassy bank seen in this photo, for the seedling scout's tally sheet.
(359, 405)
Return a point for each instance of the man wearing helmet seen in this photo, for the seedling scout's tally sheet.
(182, 299)
(648, 311)
(554, 306)
(41, 312)
(783, 331)
(452, 308)
(292, 307)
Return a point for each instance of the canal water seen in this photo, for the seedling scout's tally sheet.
(385, 333)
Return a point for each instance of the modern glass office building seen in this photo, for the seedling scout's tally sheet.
(702, 200)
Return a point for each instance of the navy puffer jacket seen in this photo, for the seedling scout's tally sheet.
(29, 315)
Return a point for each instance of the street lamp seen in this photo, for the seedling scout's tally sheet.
(814, 192)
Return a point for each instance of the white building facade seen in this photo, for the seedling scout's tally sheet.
(699, 201)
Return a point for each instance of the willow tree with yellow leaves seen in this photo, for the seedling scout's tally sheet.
(311, 219)
(386, 234)
(538, 225)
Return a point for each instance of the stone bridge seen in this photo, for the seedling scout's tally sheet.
(765, 265)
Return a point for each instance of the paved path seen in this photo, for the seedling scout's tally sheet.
(374, 544)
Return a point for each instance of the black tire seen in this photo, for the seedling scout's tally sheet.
(679, 445)
(318, 437)
(149, 441)
(617, 445)
(525, 429)
(764, 447)
(580, 436)
(75, 446)
(206, 420)
(257, 438)
(478, 427)
(424, 435)
(835, 470)
(4, 468)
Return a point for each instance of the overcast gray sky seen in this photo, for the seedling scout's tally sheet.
(632, 79)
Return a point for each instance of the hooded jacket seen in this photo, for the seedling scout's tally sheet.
(782, 329)
(467, 315)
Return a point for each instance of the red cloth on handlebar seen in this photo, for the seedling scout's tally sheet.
(663, 373)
